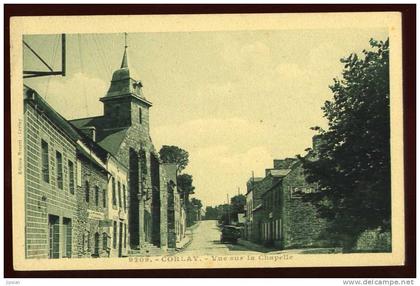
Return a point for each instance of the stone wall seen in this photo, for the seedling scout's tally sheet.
(46, 198)
(92, 214)
(374, 241)
(302, 226)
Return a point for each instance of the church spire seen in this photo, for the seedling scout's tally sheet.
(124, 63)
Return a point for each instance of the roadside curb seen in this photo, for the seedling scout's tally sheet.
(190, 235)
(254, 246)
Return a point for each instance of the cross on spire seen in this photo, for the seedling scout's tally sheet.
(124, 63)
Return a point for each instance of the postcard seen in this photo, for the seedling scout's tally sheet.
(207, 141)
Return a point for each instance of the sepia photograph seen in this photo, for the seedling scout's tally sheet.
(207, 141)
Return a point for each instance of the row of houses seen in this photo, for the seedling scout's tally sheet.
(95, 187)
(276, 214)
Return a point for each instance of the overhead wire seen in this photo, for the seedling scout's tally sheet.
(56, 39)
(79, 40)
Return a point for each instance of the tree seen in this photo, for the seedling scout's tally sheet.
(352, 162)
(212, 213)
(185, 183)
(238, 204)
(196, 203)
(174, 154)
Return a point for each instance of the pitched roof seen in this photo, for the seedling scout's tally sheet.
(108, 139)
(87, 121)
(30, 95)
(111, 140)
(279, 173)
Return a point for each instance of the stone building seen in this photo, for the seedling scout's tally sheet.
(123, 131)
(249, 207)
(287, 221)
(272, 221)
(117, 208)
(302, 225)
(92, 202)
(177, 219)
(272, 176)
(50, 190)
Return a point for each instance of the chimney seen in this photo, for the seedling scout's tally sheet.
(90, 131)
(284, 163)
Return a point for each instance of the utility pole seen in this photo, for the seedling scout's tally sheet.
(228, 204)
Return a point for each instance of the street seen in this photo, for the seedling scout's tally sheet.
(206, 241)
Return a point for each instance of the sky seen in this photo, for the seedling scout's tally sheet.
(235, 100)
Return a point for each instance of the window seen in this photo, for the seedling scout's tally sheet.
(104, 198)
(87, 191)
(45, 162)
(140, 116)
(97, 196)
(96, 249)
(125, 235)
(125, 198)
(71, 177)
(59, 166)
(143, 161)
(105, 241)
(114, 197)
(114, 239)
(119, 195)
(67, 235)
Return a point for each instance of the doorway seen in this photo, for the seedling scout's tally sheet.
(54, 236)
(120, 240)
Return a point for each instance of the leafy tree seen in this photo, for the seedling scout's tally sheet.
(212, 213)
(174, 154)
(185, 182)
(196, 203)
(193, 210)
(238, 204)
(351, 163)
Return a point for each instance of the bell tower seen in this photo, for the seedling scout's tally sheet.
(124, 103)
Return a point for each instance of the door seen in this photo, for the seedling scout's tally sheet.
(120, 240)
(54, 236)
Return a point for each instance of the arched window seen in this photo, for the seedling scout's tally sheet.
(104, 195)
(105, 241)
(114, 196)
(87, 195)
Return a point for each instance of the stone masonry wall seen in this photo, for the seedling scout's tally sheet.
(89, 214)
(42, 198)
(302, 226)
